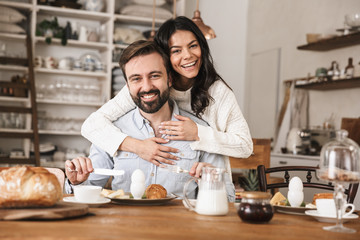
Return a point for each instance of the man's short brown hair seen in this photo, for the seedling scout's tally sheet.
(141, 48)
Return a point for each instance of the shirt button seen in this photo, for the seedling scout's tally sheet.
(152, 174)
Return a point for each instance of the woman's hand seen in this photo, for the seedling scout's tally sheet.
(197, 167)
(185, 129)
(152, 151)
(78, 169)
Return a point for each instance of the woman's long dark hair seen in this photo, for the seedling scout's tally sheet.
(200, 97)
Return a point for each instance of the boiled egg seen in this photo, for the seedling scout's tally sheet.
(295, 184)
(138, 176)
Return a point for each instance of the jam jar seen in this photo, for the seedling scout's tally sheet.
(255, 207)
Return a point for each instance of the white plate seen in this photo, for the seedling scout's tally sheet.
(132, 201)
(101, 200)
(291, 210)
(328, 219)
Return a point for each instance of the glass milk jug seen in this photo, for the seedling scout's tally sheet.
(212, 196)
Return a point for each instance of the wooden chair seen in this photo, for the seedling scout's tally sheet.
(260, 156)
(264, 185)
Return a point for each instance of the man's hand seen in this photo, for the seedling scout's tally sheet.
(185, 129)
(197, 167)
(78, 169)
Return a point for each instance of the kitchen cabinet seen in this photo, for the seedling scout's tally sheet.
(67, 96)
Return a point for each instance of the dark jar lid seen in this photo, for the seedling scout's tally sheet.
(255, 195)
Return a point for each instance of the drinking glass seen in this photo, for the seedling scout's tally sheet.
(340, 164)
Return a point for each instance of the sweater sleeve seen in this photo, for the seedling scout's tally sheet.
(99, 129)
(228, 133)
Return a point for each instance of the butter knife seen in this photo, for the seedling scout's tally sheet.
(108, 172)
(104, 171)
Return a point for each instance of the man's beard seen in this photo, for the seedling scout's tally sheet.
(153, 106)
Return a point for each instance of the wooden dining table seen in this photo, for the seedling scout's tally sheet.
(170, 221)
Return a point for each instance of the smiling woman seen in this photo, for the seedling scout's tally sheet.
(197, 88)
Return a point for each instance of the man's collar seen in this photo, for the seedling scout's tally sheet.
(140, 120)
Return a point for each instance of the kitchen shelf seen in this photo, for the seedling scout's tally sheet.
(137, 20)
(73, 13)
(332, 85)
(53, 132)
(11, 36)
(74, 43)
(89, 104)
(11, 160)
(71, 72)
(333, 43)
(13, 68)
(18, 5)
(14, 99)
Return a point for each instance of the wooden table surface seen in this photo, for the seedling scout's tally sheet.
(170, 221)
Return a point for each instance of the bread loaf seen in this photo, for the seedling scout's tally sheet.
(24, 186)
(155, 191)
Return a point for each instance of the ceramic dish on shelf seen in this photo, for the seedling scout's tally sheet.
(101, 201)
(90, 61)
(292, 210)
(328, 219)
(132, 201)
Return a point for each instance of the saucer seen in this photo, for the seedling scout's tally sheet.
(329, 219)
(101, 200)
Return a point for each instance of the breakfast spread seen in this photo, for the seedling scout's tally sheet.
(24, 186)
(153, 191)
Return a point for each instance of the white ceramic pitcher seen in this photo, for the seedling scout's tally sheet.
(83, 34)
(212, 196)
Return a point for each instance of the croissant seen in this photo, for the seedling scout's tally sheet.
(25, 186)
(155, 191)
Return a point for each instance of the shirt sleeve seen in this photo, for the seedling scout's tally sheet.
(99, 129)
(228, 133)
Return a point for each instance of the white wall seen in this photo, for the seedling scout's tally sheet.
(246, 27)
(284, 24)
(228, 19)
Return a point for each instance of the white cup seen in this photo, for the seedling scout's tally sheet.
(326, 207)
(87, 193)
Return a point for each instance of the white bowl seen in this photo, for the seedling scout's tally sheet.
(352, 20)
(87, 193)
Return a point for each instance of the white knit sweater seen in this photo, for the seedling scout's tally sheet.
(227, 135)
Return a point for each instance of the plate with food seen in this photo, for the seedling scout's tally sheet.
(154, 194)
(282, 205)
